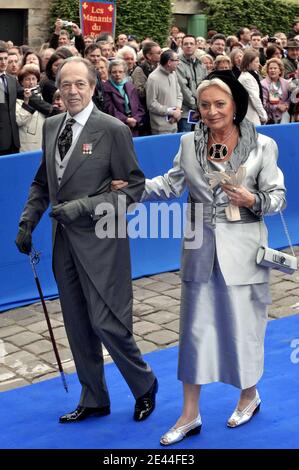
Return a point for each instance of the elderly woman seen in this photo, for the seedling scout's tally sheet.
(224, 292)
(236, 57)
(222, 62)
(121, 98)
(276, 92)
(128, 54)
(208, 61)
(250, 80)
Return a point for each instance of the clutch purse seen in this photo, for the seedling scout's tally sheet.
(275, 259)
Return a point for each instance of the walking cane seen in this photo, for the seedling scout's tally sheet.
(34, 259)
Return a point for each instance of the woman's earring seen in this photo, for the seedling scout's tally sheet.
(234, 117)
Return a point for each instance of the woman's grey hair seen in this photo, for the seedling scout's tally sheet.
(116, 63)
(92, 79)
(233, 54)
(207, 56)
(222, 58)
(126, 50)
(205, 84)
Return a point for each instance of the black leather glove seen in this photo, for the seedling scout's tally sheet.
(24, 238)
(67, 212)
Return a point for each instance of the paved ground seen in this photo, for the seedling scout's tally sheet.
(26, 354)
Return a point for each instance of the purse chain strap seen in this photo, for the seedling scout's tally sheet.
(286, 231)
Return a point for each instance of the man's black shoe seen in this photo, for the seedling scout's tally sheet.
(145, 405)
(81, 413)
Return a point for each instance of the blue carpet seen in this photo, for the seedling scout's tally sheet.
(28, 416)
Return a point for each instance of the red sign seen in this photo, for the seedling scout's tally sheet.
(97, 17)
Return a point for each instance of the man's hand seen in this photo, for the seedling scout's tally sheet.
(177, 114)
(24, 238)
(58, 26)
(118, 184)
(76, 30)
(67, 212)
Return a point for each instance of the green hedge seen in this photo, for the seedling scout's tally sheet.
(139, 17)
(64, 9)
(269, 16)
(144, 18)
(153, 17)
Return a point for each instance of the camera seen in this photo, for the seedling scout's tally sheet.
(272, 39)
(35, 89)
(67, 23)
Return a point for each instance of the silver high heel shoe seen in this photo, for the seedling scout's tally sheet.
(241, 417)
(178, 434)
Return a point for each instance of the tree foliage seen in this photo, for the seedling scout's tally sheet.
(138, 17)
(66, 10)
(144, 18)
(269, 16)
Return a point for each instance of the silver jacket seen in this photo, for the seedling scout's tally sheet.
(235, 243)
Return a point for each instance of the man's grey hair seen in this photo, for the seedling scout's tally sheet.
(92, 79)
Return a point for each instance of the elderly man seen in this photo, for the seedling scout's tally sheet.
(164, 96)
(290, 62)
(83, 151)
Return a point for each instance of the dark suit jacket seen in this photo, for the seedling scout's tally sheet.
(106, 261)
(9, 132)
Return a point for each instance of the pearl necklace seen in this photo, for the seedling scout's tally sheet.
(219, 151)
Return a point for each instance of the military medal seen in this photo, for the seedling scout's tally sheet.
(87, 149)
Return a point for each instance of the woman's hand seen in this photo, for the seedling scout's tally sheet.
(27, 94)
(131, 122)
(239, 195)
(118, 184)
(282, 107)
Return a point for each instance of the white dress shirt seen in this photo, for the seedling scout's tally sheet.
(81, 119)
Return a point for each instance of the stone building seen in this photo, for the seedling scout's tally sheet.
(24, 21)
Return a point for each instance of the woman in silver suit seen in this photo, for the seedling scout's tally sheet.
(224, 292)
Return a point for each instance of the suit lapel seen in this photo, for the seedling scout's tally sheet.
(11, 89)
(51, 149)
(90, 135)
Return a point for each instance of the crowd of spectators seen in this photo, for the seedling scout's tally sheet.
(150, 87)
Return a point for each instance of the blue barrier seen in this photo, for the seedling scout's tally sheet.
(149, 256)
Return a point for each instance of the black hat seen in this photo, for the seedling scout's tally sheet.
(239, 93)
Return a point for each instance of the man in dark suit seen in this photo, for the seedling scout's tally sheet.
(9, 132)
(80, 158)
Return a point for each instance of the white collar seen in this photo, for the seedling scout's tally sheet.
(82, 117)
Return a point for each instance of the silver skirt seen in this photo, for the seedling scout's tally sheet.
(222, 331)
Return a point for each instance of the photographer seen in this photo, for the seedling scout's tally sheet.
(61, 36)
(32, 110)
